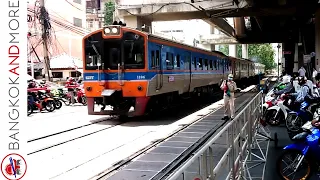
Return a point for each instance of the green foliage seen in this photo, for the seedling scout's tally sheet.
(109, 8)
(224, 49)
(262, 53)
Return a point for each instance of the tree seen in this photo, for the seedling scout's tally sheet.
(224, 49)
(262, 53)
(109, 8)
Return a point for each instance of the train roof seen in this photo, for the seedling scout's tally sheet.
(217, 53)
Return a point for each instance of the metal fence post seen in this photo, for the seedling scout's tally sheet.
(249, 131)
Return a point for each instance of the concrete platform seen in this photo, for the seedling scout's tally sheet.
(155, 163)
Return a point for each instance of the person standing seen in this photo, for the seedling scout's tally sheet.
(314, 74)
(229, 87)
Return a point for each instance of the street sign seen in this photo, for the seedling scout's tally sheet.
(286, 52)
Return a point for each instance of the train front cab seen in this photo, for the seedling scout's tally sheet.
(114, 59)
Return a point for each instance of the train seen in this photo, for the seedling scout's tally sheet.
(136, 73)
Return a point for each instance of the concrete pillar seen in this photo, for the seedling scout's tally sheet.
(233, 50)
(212, 47)
(245, 51)
(296, 60)
(239, 26)
(138, 22)
(317, 39)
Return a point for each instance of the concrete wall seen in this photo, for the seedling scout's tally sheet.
(66, 40)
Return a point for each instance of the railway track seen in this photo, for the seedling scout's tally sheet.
(52, 140)
(119, 165)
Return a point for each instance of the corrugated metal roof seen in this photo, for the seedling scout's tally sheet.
(65, 61)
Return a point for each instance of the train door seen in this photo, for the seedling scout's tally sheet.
(187, 69)
(159, 68)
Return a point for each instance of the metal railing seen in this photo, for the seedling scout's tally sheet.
(243, 137)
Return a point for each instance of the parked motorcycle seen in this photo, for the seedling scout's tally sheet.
(301, 158)
(46, 102)
(30, 109)
(296, 119)
(279, 112)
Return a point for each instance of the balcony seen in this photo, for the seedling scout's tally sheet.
(217, 39)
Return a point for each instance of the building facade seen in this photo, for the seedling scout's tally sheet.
(68, 22)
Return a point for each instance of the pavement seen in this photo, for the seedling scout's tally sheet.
(96, 142)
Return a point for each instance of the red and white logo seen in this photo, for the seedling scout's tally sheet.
(13, 167)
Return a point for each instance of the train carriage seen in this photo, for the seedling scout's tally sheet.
(127, 68)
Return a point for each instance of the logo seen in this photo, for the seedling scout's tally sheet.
(13, 167)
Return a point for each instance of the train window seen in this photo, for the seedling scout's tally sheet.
(153, 60)
(133, 51)
(215, 64)
(169, 60)
(186, 62)
(206, 64)
(177, 62)
(210, 65)
(200, 64)
(195, 63)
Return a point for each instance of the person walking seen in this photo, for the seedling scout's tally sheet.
(229, 87)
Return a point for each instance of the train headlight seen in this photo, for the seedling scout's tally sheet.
(114, 30)
(107, 31)
(89, 88)
(140, 88)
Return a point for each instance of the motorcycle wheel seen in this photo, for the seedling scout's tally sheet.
(30, 110)
(50, 106)
(286, 170)
(270, 117)
(84, 100)
(294, 123)
(58, 104)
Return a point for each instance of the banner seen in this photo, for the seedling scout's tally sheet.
(13, 126)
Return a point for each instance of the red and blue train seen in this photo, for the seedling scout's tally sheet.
(125, 69)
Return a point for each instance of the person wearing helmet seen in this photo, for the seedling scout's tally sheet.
(229, 87)
(303, 92)
(287, 86)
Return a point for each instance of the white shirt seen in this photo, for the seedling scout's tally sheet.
(302, 72)
(314, 74)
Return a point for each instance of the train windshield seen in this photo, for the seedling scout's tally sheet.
(93, 52)
(127, 51)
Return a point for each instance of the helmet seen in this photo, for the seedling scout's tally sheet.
(317, 77)
(286, 79)
(302, 80)
(230, 76)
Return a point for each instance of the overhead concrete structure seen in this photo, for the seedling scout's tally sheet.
(217, 39)
(172, 10)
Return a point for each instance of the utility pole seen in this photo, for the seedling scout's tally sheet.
(278, 60)
(45, 40)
